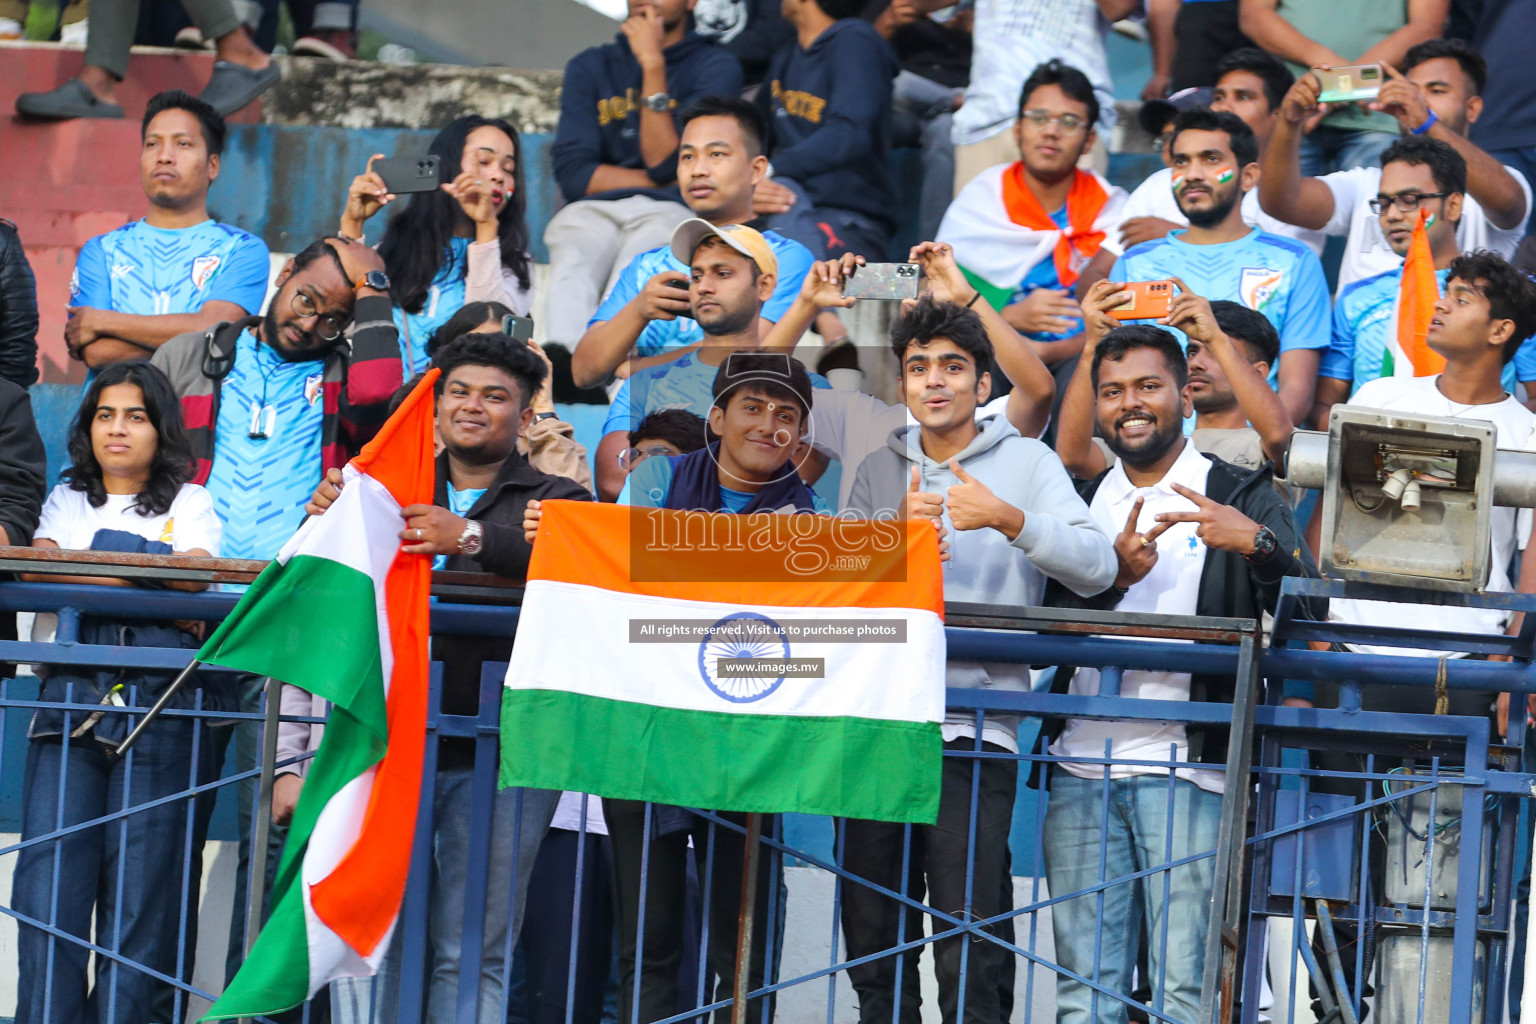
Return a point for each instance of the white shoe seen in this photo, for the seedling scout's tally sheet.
(10, 28)
(75, 34)
(191, 38)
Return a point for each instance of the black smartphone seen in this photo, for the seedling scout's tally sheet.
(406, 174)
(518, 328)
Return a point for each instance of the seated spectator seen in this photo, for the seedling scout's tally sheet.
(752, 30)
(1251, 84)
(1215, 162)
(547, 442)
(1416, 173)
(1440, 98)
(1338, 33)
(615, 151)
(476, 522)
(1012, 38)
(282, 398)
(18, 310)
(1228, 349)
(467, 242)
(933, 49)
(827, 98)
(117, 883)
(1230, 541)
(178, 269)
(1027, 229)
(644, 320)
(1014, 520)
(664, 433)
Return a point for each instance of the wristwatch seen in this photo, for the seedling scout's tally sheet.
(1265, 544)
(375, 279)
(545, 416)
(471, 540)
(658, 101)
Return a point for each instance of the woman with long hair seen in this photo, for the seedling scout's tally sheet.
(465, 242)
(126, 491)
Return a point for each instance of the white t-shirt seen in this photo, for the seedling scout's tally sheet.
(1154, 198)
(568, 814)
(1366, 253)
(1171, 588)
(71, 522)
(1510, 527)
(1012, 38)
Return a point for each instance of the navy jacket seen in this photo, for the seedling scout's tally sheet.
(829, 115)
(600, 105)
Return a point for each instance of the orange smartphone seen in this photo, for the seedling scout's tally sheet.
(1148, 301)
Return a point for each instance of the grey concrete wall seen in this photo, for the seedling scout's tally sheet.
(508, 33)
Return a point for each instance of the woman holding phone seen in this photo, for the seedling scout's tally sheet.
(466, 241)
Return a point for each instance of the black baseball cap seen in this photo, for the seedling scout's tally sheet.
(1154, 114)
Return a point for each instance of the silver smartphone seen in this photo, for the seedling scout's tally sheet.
(889, 281)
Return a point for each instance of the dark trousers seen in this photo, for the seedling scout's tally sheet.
(937, 863)
(128, 872)
(547, 956)
(665, 915)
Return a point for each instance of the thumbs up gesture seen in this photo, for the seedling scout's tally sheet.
(973, 506)
(920, 504)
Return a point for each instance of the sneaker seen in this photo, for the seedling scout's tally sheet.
(70, 100)
(10, 28)
(74, 33)
(233, 86)
(191, 38)
(329, 44)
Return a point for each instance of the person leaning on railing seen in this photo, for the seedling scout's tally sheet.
(127, 490)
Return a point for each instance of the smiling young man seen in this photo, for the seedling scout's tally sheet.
(719, 162)
(1215, 163)
(1193, 536)
(1013, 520)
(176, 270)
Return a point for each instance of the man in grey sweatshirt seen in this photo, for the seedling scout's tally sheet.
(1013, 519)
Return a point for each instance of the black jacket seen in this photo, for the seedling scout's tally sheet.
(504, 552)
(18, 310)
(1230, 586)
(23, 481)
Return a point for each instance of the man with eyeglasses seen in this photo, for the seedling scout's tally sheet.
(665, 432)
(272, 402)
(1027, 229)
(1437, 95)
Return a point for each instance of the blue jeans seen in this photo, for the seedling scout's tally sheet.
(352, 1000)
(1327, 149)
(1080, 855)
(128, 872)
(921, 113)
(829, 231)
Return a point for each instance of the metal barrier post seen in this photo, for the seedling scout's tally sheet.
(747, 920)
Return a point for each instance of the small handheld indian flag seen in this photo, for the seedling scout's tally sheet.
(1408, 353)
(342, 613)
(807, 690)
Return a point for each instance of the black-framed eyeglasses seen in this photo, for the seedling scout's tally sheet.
(1406, 202)
(1068, 123)
(629, 458)
(328, 326)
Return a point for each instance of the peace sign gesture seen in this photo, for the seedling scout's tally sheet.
(1219, 526)
(1136, 551)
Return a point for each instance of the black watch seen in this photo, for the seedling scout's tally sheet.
(1265, 543)
(545, 416)
(375, 279)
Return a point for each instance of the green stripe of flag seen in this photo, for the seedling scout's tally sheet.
(855, 767)
(997, 296)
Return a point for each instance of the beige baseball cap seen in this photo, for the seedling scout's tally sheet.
(747, 241)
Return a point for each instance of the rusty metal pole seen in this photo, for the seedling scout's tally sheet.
(747, 919)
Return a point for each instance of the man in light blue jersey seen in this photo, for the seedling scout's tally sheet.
(1215, 163)
(645, 317)
(1417, 173)
(177, 270)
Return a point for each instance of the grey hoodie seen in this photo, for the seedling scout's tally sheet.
(1059, 540)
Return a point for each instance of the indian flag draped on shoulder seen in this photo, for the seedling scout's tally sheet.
(738, 663)
(342, 613)
(1000, 231)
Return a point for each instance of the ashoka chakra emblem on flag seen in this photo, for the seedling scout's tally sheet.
(742, 636)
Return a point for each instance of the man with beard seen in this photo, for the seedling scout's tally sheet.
(272, 402)
(1193, 536)
(1215, 163)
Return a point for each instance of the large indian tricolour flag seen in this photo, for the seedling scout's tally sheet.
(342, 613)
(738, 663)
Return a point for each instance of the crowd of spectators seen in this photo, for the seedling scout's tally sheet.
(724, 170)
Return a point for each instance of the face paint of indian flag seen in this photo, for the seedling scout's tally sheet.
(1178, 182)
(1224, 175)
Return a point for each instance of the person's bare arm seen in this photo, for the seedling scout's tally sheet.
(86, 326)
(1161, 15)
(1426, 20)
(1330, 392)
(1075, 419)
(610, 176)
(1262, 22)
(658, 132)
(1114, 10)
(1283, 192)
(1096, 270)
(1298, 381)
(630, 367)
(610, 475)
(821, 290)
(106, 351)
(604, 346)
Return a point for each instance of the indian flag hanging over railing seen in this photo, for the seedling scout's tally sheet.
(343, 614)
(740, 663)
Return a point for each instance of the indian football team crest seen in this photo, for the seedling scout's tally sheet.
(203, 268)
(1257, 285)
